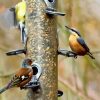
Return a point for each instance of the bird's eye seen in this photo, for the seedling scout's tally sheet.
(51, 1)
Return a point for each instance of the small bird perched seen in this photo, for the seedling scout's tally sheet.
(21, 78)
(77, 43)
(20, 13)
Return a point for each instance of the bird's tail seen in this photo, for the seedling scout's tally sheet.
(8, 86)
(23, 33)
(90, 54)
(3, 89)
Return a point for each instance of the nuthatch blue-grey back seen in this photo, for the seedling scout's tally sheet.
(77, 44)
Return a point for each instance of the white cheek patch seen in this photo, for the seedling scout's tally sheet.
(23, 77)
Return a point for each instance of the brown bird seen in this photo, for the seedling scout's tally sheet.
(21, 77)
(77, 44)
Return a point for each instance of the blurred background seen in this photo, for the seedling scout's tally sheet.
(79, 78)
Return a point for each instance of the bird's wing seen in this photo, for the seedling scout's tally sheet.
(17, 80)
(82, 42)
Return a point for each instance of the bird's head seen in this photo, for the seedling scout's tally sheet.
(27, 62)
(74, 32)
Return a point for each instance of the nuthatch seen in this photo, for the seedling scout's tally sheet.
(20, 13)
(77, 43)
(20, 79)
(50, 8)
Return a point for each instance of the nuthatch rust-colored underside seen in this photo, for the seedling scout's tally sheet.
(77, 44)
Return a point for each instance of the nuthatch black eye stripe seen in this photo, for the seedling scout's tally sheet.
(73, 30)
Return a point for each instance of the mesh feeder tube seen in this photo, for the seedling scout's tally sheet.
(42, 45)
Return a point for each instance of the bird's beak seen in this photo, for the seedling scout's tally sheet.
(52, 11)
(73, 31)
(69, 29)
